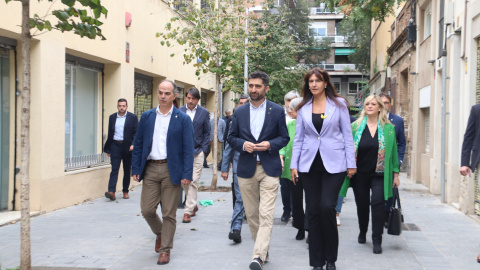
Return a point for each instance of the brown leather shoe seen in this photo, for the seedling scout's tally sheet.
(195, 209)
(186, 218)
(125, 195)
(164, 258)
(110, 195)
(158, 243)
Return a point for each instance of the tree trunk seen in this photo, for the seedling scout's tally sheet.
(25, 246)
(213, 185)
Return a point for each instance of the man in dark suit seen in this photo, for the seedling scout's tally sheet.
(201, 130)
(122, 127)
(258, 132)
(471, 146)
(163, 156)
(397, 121)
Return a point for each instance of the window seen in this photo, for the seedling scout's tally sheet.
(427, 21)
(81, 111)
(427, 130)
(318, 29)
(180, 96)
(143, 87)
(353, 88)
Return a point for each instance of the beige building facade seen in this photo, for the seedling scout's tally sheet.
(76, 83)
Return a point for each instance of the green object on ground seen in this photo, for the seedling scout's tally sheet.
(206, 202)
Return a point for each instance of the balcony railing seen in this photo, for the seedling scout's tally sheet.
(321, 10)
(334, 67)
(333, 39)
(87, 161)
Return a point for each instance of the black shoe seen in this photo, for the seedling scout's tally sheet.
(331, 266)
(377, 248)
(256, 264)
(286, 216)
(300, 235)
(235, 236)
(362, 238)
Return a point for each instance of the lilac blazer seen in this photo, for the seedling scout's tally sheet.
(335, 140)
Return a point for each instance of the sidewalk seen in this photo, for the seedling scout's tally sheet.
(113, 235)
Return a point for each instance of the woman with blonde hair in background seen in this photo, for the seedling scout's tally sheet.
(377, 160)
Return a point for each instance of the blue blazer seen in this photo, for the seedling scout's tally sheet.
(201, 129)
(129, 131)
(274, 130)
(397, 121)
(179, 145)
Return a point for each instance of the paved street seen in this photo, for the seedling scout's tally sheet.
(113, 235)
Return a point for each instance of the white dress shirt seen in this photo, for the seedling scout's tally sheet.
(119, 127)
(191, 113)
(159, 143)
(257, 118)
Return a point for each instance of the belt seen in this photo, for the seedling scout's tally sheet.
(258, 163)
(159, 161)
(118, 141)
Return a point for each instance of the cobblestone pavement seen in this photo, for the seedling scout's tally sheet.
(113, 235)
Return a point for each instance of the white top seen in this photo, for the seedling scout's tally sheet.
(119, 127)
(191, 113)
(257, 118)
(159, 142)
(287, 117)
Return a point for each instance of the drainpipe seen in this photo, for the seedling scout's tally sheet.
(444, 115)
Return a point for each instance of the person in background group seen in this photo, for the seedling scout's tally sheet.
(296, 188)
(323, 154)
(220, 131)
(163, 157)
(201, 130)
(238, 210)
(397, 121)
(338, 208)
(471, 147)
(284, 181)
(227, 118)
(377, 161)
(122, 127)
(258, 132)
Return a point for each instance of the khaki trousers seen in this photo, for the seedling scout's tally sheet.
(192, 189)
(259, 211)
(159, 189)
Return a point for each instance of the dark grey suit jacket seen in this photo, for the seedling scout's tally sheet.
(201, 129)
(471, 140)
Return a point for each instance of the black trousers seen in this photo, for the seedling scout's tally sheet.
(321, 195)
(117, 154)
(362, 183)
(298, 213)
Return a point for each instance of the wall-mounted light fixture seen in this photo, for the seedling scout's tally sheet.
(431, 61)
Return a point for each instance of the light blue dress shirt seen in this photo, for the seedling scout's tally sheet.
(119, 127)
(257, 119)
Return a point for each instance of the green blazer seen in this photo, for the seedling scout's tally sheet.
(391, 160)
(286, 152)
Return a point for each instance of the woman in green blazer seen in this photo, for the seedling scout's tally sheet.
(295, 188)
(377, 160)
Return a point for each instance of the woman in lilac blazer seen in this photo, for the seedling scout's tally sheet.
(323, 154)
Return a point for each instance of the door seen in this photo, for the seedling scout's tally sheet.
(4, 126)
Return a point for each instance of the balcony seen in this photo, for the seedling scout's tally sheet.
(86, 161)
(322, 10)
(334, 39)
(334, 67)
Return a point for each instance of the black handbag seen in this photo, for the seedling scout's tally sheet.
(395, 220)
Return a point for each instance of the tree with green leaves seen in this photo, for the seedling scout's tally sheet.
(213, 40)
(73, 17)
(357, 31)
(373, 9)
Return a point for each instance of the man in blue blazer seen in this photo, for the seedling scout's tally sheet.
(397, 121)
(122, 127)
(163, 156)
(258, 132)
(201, 130)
